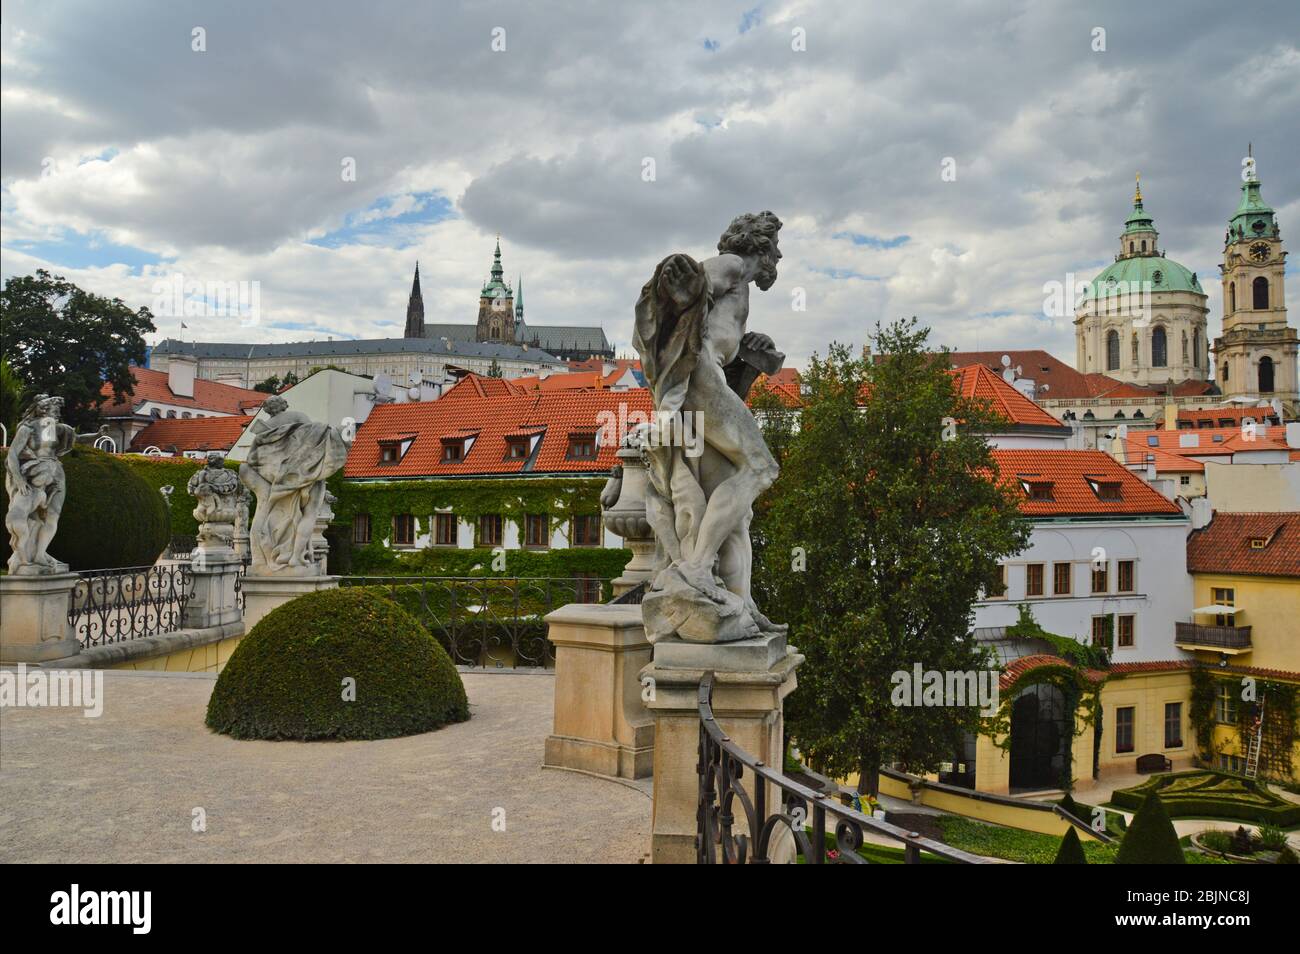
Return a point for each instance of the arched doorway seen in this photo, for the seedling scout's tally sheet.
(1039, 735)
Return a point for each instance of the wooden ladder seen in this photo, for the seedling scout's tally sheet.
(1252, 748)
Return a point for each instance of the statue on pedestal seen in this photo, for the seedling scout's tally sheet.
(708, 459)
(289, 460)
(217, 490)
(36, 485)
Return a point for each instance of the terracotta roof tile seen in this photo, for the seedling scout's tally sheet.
(1224, 545)
(463, 409)
(1072, 475)
(151, 385)
(978, 382)
(192, 434)
(1210, 441)
(1018, 667)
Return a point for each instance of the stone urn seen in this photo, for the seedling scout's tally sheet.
(623, 509)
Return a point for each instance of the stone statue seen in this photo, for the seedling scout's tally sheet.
(700, 362)
(217, 490)
(37, 486)
(288, 462)
(241, 524)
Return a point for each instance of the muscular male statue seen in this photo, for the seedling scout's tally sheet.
(36, 486)
(700, 362)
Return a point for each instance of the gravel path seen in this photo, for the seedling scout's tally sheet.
(123, 787)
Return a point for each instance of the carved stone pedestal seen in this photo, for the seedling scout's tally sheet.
(264, 593)
(751, 680)
(214, 602)
(34, 618)
(601, 723)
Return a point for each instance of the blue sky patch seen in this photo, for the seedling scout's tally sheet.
(873, 241)
(89, 250)
(382, 224)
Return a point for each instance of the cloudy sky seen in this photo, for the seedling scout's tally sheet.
(129, 156)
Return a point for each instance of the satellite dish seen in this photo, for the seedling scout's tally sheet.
(1008, 375)
(383, 385)
(413, 393)
(1045, 388)
(1006, 361)
(1276, 405)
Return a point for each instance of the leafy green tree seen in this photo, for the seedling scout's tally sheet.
(1071, 851)
(270, 386)
(62, 340)
(1151, 838)
(13, 395)
(885, 492)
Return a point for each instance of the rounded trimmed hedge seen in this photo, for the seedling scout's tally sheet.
(289, 677)
(111, 516)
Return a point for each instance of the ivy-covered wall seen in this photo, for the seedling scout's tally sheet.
(512, 498)
(160, 472)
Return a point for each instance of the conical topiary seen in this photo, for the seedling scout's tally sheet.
(1151, 838)
(1071, 851)
(1071, 807)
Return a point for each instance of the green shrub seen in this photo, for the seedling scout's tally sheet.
(1070, 852)
(1204, 794)
(287, 678)
(1216, 840)
(1271, 838)
(1071, 807)
(111, 517)
(1151, 838)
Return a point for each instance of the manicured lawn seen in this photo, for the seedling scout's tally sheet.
(1212, 795)
(1027, 847)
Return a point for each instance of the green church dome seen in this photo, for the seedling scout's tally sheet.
(1164, 274)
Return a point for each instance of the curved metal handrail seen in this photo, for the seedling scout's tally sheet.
(723, 764)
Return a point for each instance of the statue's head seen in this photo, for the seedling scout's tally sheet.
(275, 405)
(44, 405)
(754, 234)
(216, 460)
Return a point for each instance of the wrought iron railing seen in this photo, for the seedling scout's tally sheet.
(487, 621)
(633, 596)
(110, 606)
(1226, 637)
(722, 767)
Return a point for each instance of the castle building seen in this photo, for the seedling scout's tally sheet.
(501, 321)
(1143, 319)
(1255, 356)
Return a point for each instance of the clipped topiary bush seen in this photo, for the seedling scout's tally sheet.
(289, 677)
(1071, 851)
(111, 516)
(1151, 838)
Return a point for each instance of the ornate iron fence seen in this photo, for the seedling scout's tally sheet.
(110, 606)
(723, 765)
(633, 596)
(486, 621)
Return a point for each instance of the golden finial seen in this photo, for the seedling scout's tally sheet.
(1137, 191)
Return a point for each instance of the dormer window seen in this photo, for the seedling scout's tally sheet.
(582, 445)
(1105, 489)
(453, 450)
(390, 452)
(1037, 489)
(516, 448)
(1258, 543)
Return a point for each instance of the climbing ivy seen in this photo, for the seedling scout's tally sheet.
(512, 498)
(1280, 712)
(1069, 676)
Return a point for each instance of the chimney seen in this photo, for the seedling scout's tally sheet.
(1171, 416)
(181, 370)
(1293, 434)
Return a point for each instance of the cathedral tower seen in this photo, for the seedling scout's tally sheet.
(415, 309)
(1255, 357)
(496, 312)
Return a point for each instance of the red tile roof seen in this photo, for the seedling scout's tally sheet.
(1072, 493)
(1137, 451)
(1224, 546)
(151, 385)
(1064, 381)
(493, 416)
(784, 384)
(1210, 441)
(1018, 667)
(1174, 665)
(978, 382)
(178, 435)
(1217, 414)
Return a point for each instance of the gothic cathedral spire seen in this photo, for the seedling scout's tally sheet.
(415, 309)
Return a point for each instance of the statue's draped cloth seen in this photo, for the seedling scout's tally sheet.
(291, 456)
(670, 337)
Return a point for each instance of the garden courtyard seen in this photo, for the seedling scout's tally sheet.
(124, 787)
